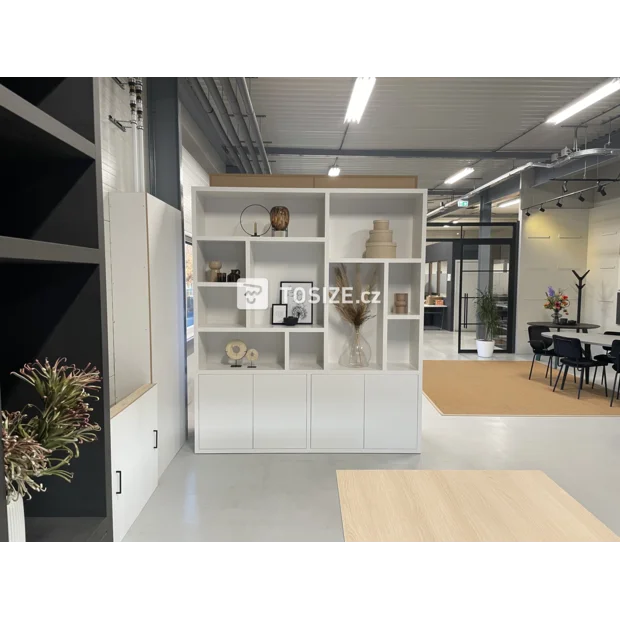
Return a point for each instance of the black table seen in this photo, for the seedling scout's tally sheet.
(577, 326)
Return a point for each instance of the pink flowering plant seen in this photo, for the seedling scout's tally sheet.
(43, 438)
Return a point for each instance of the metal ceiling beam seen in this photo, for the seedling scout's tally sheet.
(243, 128)
(408, 153)
(244, 93)
(201, 97)
(222, 111)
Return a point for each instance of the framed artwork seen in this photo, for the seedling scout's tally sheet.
(296, 296)
(278, 314)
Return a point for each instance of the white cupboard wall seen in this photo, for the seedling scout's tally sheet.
(148, 283)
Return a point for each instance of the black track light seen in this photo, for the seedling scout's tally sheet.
(542, 209)
(581, 198)
(601, 190)
(528, 213)
(558, 204)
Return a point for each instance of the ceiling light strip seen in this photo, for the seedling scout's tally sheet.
(585, 102)
(461, 174)
(360, 95)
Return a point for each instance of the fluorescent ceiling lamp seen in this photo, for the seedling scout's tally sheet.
(334, 171)
(461, 174)
(455, 221)
(359, 98)
(581, 104)
(509, 203)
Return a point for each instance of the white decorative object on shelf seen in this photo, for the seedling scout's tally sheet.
(299, 398)
(16, 520)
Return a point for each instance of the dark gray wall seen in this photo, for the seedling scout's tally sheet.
(444, 251)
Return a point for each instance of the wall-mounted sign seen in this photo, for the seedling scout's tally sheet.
(462, 203)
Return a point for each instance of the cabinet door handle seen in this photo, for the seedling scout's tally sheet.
(120, 482)
(156, 439)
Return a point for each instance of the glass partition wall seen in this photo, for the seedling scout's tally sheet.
(485, 258)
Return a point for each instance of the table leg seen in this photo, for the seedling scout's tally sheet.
(589, 356)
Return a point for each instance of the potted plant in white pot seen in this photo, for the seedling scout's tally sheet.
(40, 440)
(488, 316)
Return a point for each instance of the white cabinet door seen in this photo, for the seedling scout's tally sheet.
(279, 411)
(391, 418)
(337, 412)
(224, 411)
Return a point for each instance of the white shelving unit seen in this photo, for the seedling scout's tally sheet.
(299, 399)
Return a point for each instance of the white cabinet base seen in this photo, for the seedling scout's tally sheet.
(308, 413)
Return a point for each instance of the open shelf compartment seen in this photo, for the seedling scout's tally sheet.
(212, 350)
(340, 331)
(230, 253)
(403, 345)
(404, 278)
(305, 351)
(351, 219)
(217, 307)
(279, 263)
(218, 212)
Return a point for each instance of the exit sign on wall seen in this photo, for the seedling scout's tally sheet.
(462, 203)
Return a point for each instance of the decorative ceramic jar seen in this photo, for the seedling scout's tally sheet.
(16, 520)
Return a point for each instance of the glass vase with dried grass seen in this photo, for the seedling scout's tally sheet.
(354, 304)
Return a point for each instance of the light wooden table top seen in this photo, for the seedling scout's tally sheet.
(475, 506)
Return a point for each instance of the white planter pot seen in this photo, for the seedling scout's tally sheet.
(485, 348)
(17, 521)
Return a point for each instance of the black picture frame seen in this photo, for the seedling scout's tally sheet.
(309, 318)
(273, 306)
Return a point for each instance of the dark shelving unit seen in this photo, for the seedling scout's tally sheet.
(52, 271)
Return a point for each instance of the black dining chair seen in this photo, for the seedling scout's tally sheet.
(614, 353)
(607, 354)
(541, 346)
(571, 356)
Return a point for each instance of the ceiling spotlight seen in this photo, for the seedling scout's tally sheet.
(601, 190)
(458, 176)
(581, 198)
(558, 204)
(334, 171)
(542, 209)
(528, 213)
(581, 104)
(359, 98)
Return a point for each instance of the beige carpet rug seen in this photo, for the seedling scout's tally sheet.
(502, 388)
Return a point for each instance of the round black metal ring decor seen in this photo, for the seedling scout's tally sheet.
(268, 219)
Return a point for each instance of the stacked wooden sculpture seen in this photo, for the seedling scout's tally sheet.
(380, 244)
(401, 303)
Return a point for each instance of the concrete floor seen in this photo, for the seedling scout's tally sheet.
(295, 498)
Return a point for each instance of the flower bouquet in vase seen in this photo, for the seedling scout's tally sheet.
(557, 302)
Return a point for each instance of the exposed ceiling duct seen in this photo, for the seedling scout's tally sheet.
(215, 122)
(243, 128)
(449, 207)
(244, 93)
(222, 111)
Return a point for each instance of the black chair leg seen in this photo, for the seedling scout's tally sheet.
(613, 391)
(574, 374)
(547, 373)
(564, 377)
(605, 381)
(558, 378)
(580, 384)
(532, 366)
(594, 378)
(550, 369)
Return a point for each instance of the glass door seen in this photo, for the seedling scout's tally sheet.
(486, 264)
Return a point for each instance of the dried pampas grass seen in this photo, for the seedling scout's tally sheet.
(353, 309)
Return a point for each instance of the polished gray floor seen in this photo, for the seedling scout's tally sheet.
(295, 498)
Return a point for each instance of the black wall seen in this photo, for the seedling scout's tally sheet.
(444, 251)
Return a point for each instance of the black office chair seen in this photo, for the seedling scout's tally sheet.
(541, 346)
(615, 354)
(571, 356)
(607, 356)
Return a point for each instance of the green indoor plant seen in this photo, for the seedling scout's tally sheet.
(488, 315)
(43, 438)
